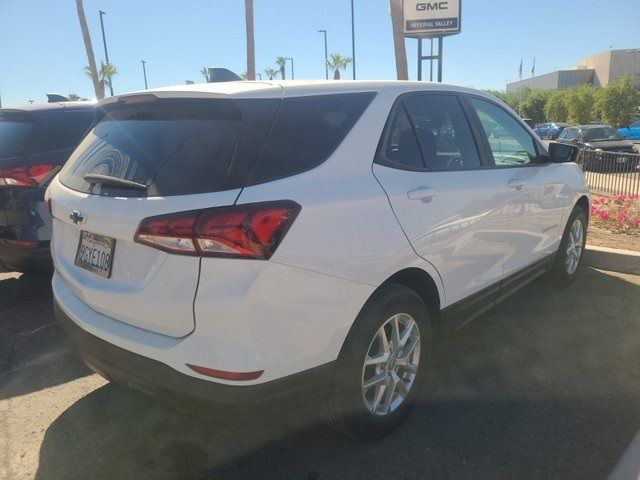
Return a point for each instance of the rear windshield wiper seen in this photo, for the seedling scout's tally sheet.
(106, 180)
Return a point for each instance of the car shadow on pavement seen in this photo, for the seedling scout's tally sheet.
(545, 385)
(34, 353)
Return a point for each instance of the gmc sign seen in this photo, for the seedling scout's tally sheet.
(432, 6)
(431, 18)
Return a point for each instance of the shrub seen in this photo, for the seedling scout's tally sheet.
(620, 214)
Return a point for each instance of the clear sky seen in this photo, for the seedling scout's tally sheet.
(41, 48)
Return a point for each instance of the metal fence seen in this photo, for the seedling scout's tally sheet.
(612, 173)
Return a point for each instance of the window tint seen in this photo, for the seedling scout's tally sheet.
(306, 132)
(596, 134)
(175, 147)
(68, 129)
(400, 146)
(442, 132)
(15, 129)
(510, 143)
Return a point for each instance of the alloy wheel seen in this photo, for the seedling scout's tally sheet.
(391, 364)
(574, 247)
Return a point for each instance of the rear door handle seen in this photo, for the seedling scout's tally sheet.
(422, 193)
(517, 183)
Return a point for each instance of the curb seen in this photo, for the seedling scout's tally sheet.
(628, 466)
(612, 259)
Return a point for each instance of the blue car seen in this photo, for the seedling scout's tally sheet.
(551, 130)
(631, 132)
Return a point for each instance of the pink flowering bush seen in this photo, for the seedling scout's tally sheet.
(619, 214)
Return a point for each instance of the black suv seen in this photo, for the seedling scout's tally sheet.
(35, 142)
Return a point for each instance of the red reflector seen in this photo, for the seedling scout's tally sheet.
(252, 230)
(22, 243)
(25, 176)
(237, 376)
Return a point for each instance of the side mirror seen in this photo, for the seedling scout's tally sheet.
(562, 152)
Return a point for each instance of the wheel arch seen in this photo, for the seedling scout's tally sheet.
(583, 203)
(423, 284)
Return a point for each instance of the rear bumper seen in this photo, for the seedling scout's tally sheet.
(157, 379)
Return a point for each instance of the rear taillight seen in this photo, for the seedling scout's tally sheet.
(242, 231)
(25, 176)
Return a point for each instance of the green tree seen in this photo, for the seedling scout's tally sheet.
(512, 99)
(336, 63)
(205, 73)
(270, 73)
(106, 72)
(533, 105)
(281, 62)
(616, 102)
(73, 97)
(580, 104)
(555, 110)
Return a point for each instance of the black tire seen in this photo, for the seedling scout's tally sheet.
(560, 272)
(345, 405)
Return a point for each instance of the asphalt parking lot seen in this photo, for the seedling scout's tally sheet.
(546, 385)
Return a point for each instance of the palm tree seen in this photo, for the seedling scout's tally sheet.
(93, 72)
(397, 20)
(251, 46)
(282, 63)
(270, 72)
(107, 70)
(243, 75)
(336, 63)
(205, 73)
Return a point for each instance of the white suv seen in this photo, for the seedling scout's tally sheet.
(241, 241)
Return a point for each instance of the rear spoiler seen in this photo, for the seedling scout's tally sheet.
(56, 97)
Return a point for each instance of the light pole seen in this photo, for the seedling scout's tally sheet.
(104, 42)
(353, 42)
(144, 72)
(326, 57)
(292, 75)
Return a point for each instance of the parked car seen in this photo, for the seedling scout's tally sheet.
(600, 145)
(551, 130)
(631, 131)
(241, 242)
(35, 141)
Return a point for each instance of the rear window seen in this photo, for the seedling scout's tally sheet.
(306, 132)
(597, 134)
(15, 129)
(175, 147)
(190, 146)
(68, 129)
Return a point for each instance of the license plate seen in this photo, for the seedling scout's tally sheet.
(95, 253)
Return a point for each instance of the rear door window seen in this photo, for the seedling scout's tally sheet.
(306, 132)
(443, 133)
(175, 147)
(15, 129)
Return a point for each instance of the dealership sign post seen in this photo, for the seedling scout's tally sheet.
(431, 19)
